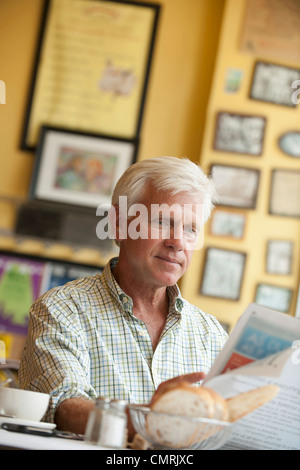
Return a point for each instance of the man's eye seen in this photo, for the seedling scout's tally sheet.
(191, 230)
(158, 222)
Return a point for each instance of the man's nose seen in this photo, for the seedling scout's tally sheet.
(176, 239)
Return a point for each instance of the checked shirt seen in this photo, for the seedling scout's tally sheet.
(84, 341)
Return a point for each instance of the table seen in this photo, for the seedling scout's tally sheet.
(15, 440)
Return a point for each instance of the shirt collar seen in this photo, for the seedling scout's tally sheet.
(174, 294)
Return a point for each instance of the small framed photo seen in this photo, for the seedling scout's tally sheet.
(223, 273)
(285, 193)
(79, 168)
(272, 83)
(279, 257)
(239, 133)
(233, 80)
(228, 223)
(275, 297)
(236, 186)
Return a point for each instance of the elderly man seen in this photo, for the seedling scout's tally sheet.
(128, 331)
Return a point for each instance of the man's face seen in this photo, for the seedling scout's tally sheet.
(161, 235)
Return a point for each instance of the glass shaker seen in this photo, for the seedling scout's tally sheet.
(107, 423)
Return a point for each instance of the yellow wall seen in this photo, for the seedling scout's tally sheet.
(184, 93)
(176, 101)
(260, 225)
(174, 114)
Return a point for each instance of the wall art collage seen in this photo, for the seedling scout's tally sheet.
(238, 187)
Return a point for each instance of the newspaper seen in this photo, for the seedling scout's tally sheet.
(264, 348)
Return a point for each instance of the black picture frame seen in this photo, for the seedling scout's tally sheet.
(79, 169)
(31, 129)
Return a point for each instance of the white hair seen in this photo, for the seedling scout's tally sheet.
(165, 173)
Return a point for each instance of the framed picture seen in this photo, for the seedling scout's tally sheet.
(236, 186)
(92, 68)
(223, 273)
(78, 168)
(275, 297)
(20, 286)
(23, 278)
(228, 223)
(58, 273)
(233, 80)
(272, 83)
(279, 257)
(289, 143)
(239, 133)
(271, 29)
(285, 193)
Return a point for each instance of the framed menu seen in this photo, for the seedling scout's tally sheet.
(92, 68)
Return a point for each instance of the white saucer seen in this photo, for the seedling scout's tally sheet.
(25, 422)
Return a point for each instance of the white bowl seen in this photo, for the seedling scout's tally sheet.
(23, 404)
(165, 430)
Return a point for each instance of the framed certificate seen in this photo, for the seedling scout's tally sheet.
(237, 133)
(273, 83)
(275, 297)
(228, 223)
(285, 193)
(92, 68)
(236, 186)
(223, 273)
(279, 257)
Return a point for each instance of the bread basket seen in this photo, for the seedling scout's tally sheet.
(171, 431)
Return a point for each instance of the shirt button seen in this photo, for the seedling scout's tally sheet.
(124, 299)
(179, 305)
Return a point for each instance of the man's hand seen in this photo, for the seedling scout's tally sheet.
(72, 414)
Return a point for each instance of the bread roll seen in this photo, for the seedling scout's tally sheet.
(183, 399)
(246, 402)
